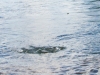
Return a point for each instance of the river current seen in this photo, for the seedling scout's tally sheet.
(49, 37)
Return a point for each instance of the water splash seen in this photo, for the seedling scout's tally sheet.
(42, 50)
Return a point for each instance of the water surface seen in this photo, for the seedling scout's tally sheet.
(64, 37)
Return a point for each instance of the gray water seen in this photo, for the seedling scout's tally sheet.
(65, 32)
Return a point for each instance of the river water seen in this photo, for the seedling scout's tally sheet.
(70, 29)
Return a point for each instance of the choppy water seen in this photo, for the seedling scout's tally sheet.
(64, 36)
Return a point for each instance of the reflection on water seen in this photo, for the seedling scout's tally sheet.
(50, 37)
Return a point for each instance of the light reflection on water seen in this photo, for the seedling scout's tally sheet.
(44, 24)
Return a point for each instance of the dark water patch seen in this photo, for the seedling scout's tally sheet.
(4, 55)
(94, 15)
(94, 21)
(1, 17)
(95, 52)
(64, 70)
(95, 1)
(95, 7)
(84, 65)
(65, 67)
(98, 25)
(92, 33)
(93, 74)
(79, 73)
(93, 70)
(63, 56)
(2, 73)
(64, 35)
(42, 50)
